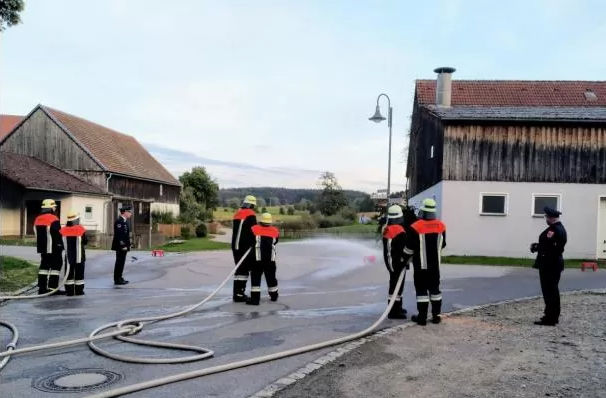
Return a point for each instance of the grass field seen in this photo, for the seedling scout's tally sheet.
(16, 273)
(506, 261)
(225, 213)
(195, 244)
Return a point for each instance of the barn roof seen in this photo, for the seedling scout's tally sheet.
(522, 113)
(114, 151)
(7, 123)
(517, 93)
(32, 173)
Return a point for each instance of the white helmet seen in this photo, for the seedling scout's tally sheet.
(394, 211)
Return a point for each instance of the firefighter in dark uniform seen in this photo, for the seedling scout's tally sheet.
(243, 239)
(394, 236)
(424, 242)
(550, 263)
(50, 246)
(75, 240)
(266, 239)
(121, 243)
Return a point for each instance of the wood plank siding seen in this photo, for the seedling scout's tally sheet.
(40, 137)
(422, 169)
(525, 153)
(141, 189)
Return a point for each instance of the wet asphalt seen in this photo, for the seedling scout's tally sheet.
(328, 288)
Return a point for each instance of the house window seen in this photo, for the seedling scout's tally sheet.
(161, 189)
(493, 204)
(539, 201)
(88, 212)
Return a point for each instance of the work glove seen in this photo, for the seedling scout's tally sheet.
(534, 247)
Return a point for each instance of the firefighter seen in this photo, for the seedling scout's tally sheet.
(266, 239)
(121, 243)
(242, 239)
(424, 243)
(49, 245)
(393, 254)
(75, 240)
(550, 263)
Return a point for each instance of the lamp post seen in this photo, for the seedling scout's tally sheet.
(378, 118)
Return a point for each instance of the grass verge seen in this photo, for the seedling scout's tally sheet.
(16, 273)
(353, 229)
(18, 241)
(194, 245)
(506, 261)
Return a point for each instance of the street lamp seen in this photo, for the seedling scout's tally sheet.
(378, 118)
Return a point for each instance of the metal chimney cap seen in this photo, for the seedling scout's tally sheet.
(444, 69)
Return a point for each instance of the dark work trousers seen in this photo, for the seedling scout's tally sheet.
(393, 281)
(119, 266)
(49, 272)
(75, 280)
(550, 278)
(55, 271)
(241, 274)
(427, 286)
(258, 269)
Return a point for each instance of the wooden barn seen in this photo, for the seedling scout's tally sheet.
(113, 162)
(494, 153)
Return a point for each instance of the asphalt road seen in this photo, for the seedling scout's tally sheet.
(327, 290)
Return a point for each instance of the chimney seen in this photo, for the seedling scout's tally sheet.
(444, 85)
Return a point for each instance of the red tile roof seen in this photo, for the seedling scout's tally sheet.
(516, 92)
(33, 173)
(7, 123)
(117, 152)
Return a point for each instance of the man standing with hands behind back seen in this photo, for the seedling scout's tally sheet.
(121, 243)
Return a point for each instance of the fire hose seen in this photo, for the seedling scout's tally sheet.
(129, 327)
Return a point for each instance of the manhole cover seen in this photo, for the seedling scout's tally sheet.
(76, 380)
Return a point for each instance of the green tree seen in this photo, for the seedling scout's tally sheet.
(290, 211)
(191, 211)
(282, 212)
(261, 202)
(205, 189)
(365, 204)
(233, 203)
(332, 198)
(9, 13)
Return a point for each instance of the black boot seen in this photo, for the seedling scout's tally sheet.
(419, 320)
(255, 298)
(436, 319)
(273, 296)
(239, 289)
(397, 312)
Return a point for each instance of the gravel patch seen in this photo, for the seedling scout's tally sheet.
(495, 351)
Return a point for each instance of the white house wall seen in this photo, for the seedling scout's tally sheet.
(434, 192)
(469, 233)
(79, 204)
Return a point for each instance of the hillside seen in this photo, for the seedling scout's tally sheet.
(284, 195)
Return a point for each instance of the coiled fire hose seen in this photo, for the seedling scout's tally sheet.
(135, 325)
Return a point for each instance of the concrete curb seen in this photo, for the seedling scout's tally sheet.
(301, 373)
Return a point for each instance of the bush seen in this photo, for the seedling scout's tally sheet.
(185, 232)
(306, 223)
(163, 217)
(282, 212)
(332, 221)
(348, 213)
(201, 230)
(291, 211)
(264, 210)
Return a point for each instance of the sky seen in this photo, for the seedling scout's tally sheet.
(272, 93)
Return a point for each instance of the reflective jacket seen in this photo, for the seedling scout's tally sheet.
(48, 238)
(424, 242)
(75, 240)
(394, 239)
(242, 237)
(266, 239)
